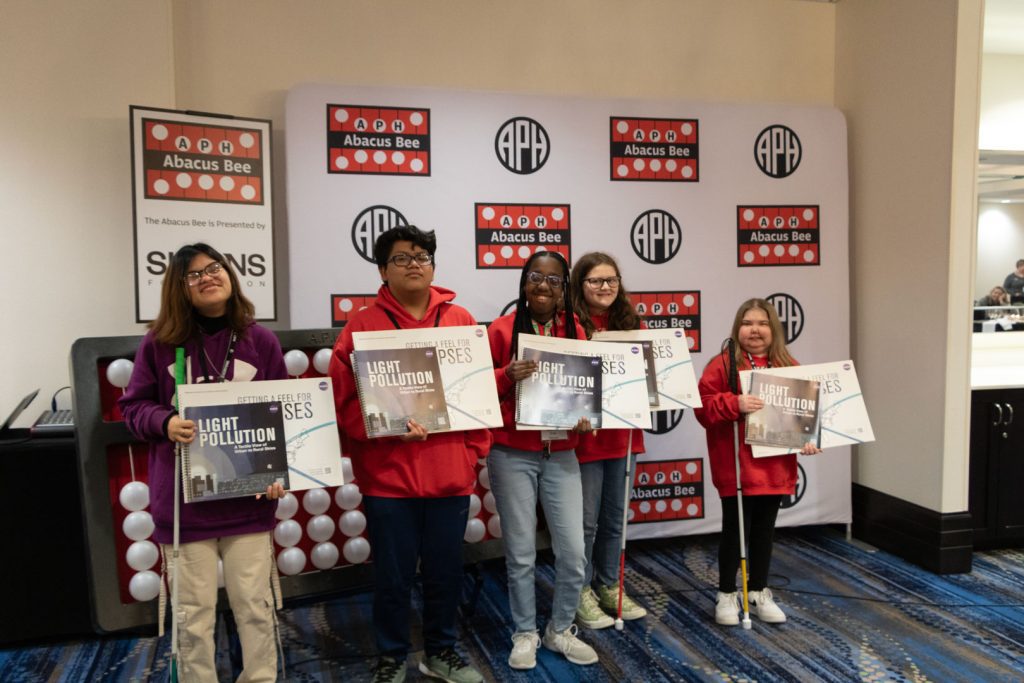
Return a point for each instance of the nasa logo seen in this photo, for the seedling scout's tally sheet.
(791, 314)
(370, 224)
(777, 151)
(801, 489)
(522, 145)
(655, 236)
(664, 421)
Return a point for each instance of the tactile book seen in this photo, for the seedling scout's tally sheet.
(398, 385)
(791, 416)
(238, 450)
(564, 389)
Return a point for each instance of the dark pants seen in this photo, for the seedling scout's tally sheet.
(759, 513)
(402, 531)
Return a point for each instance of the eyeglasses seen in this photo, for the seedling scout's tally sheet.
(599, 282)
(554, 281)
(194, 277)
(404, 260)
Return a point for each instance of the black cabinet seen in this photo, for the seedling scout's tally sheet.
(997, 467)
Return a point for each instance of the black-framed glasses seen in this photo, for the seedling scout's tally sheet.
(599, 282)
(404, 260)
(554, 281)
(194, 277)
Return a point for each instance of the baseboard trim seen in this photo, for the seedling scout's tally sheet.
(940, 542)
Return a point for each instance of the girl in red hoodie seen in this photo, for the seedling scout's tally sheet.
(524, 470)
(759, 343)
(601, 303)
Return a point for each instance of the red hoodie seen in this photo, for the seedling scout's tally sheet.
(607, 444)
(500, 336)
(444, 464)
(761, 476)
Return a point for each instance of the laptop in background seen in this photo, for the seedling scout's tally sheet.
(53, 422)
(18, 409)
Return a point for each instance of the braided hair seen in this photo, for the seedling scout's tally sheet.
(523, 322)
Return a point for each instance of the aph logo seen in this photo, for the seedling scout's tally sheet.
(777, 151)
(522, 145)
(370, 224)
(791, 314)
(801, 489)
(664, 421)
(655, 236)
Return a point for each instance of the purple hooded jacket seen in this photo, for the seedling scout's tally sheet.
(147, 407)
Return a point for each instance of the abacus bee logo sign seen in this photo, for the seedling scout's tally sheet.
(778, 235)
(344, 306)
(202, 163)
(654, 149)
(370, 224)
(666, 490)
(522, 145)
(664, 421)
(678, 311)
(655, 236)
(801, 489)
(508, 234)
(777, 151)
(372, 140)
(791, 314)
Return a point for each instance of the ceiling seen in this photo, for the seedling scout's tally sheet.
(1001, 173)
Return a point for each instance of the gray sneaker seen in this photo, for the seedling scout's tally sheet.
(566, 643)
(389, 670)
(448, 665)
(524, 650)
(589, 614)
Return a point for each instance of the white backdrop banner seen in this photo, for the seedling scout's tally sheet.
(703, 205)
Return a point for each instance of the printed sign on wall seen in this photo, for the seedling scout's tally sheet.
(202, 178)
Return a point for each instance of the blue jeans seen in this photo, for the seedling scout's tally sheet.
(403, 531)
(603, 503)
(519, 479)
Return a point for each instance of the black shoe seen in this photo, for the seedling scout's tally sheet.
(389, 670)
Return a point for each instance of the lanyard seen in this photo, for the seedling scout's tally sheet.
(750, 359)
(203, 356)
(394, 320)
(545, 330)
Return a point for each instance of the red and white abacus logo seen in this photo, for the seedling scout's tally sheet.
(344, 306)
(778, 235)
(666, 490)
(670, 310)
(202, 163)
(372, 140)
(654, 149)
(508, 234)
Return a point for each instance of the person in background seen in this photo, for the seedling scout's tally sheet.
(525, 469)
(415, 487)
(202, 309)
(601, 303)
(997, 296)
(759, 343)
(1014, 282)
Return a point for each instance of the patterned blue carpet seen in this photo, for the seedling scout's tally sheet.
(854, 615)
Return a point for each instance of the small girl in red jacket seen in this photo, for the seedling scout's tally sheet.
(759, 343)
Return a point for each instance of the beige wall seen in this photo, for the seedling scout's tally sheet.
(68, 71)
(909, 91)
(71, 69)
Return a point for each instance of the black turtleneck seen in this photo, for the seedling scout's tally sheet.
(211, 325)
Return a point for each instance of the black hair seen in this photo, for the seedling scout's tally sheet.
(523, 322)
(407, 233)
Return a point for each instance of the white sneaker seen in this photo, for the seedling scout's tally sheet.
(524, 650)
(763, 605)
(727, 611)
(566, 643)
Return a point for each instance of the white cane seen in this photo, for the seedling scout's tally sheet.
(179, 378)
(619, 624)
(739, 512)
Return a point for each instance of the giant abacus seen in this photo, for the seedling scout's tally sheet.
(320, 538)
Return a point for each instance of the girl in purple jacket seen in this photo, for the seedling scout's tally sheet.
(203, 310)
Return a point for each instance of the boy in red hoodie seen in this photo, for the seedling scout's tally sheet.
(415, 487)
